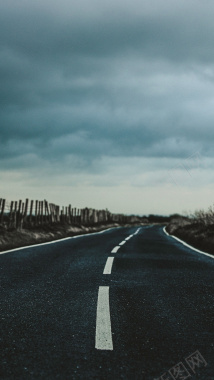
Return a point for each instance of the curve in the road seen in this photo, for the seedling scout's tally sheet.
(187, 245)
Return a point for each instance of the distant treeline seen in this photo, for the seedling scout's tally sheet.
(161, 219)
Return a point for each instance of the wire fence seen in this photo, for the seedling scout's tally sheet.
(29, 213)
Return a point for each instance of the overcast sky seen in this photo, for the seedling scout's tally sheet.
(108, 104)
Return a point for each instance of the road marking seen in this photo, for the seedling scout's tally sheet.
(187, 245)
(55, 241)
(129, 237)
(122, 242)
(108, 266)
(103, 339)
(115, 249)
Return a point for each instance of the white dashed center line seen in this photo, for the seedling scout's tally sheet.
(129, 237)
(122, 242)
(108, 266)
(103, 339)
(115, 249)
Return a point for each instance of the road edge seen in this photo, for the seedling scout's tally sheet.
(187, 245)
(56, 241)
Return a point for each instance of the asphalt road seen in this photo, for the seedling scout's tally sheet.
(153, 315)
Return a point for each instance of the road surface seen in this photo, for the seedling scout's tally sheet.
(128, 303)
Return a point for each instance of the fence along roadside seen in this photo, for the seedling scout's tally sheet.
(23, 214)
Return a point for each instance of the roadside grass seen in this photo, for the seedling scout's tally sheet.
(196, 230)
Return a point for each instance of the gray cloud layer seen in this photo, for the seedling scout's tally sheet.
(87, 80)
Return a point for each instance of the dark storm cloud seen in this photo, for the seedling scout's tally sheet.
(92, 79)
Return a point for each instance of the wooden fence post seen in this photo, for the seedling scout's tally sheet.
(74, 214)
(10, 221)
(18, 219)
(69, 213)
(46, 211)
(55, 213)
(26, 207)
(95, 216)
(15, 215)
(86, 215)
(62, 214)
(58, 214)
(82, 216)
(50, 213)
(2, 210)
(1, 200)
(48, 216)
(22, 214)
(53, 210)
(31, 211)
(36, 213)
(42, 212)
(25, 210)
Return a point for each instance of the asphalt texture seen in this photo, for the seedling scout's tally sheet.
(161, 297)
